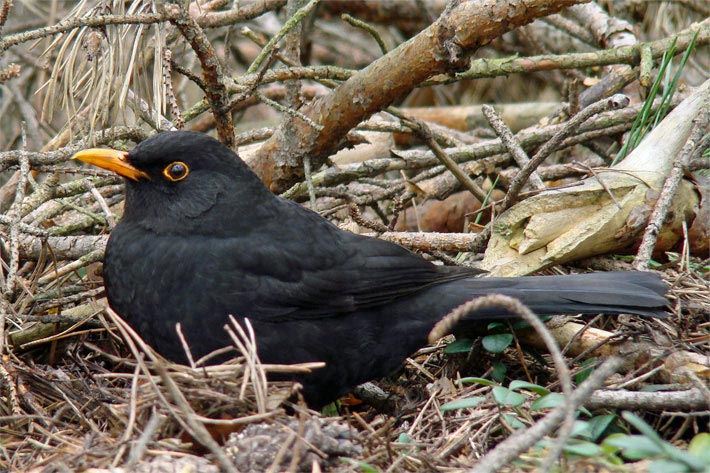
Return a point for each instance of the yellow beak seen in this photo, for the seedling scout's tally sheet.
(112, 160)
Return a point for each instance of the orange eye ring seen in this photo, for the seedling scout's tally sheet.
(176, 171)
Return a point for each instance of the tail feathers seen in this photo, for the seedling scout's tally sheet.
(623, 292)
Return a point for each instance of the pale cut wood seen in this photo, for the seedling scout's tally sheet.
(599, 217)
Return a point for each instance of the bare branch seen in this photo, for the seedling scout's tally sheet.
(513, 147)
(212, 71)
(689, 400)
(4, 12)
(443, 47)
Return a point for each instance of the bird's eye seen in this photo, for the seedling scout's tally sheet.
(176, 171)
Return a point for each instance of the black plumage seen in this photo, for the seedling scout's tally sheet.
(195, 248)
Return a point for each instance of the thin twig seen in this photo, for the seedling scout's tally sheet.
(9, 158)
(573, 97)
(81, 262)
(309, 181)
(607, 124)
(14, 217)
(8, 384)
(137, 450)
(23, 227)
(212, 71)
(670, 187)
(292, 22)
(210, 20)
(185, 345)
(615, 102)
(360, 219)
(4, 12)
(508, 140)
(130, 425)
(366, 27)
(570, 27)
(288, 111)
(102, 203)
(7, 287)
(11, 71)
(396, 211)
(422, 130)
(169, 91)
(246, 342)
(646, 66)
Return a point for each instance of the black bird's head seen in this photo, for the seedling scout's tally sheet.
(182, 182)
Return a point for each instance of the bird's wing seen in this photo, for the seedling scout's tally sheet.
(317, 270)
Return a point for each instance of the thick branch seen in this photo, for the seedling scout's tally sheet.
(684, 401)
(495, 67)
(74, 247)
(441, 48)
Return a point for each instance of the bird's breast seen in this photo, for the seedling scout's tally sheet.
(155, 282)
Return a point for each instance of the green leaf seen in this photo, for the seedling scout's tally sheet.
(362, 466)
(461, 345)
(496, 326)
(404, 438)
(599, 424)
(693, 462)
(670, 89)
(465, 403)
(498, 342)
(700, 446)
(331, 410)
(587, 368)
(609, 448)
(667, 466)
(583, 448)
(671, 451)
(634, 447)
(367, 468)
(498, 372)
(522, 324)
(536, 388)
(581, 428)
(513, 421)
(642, 427)
(553, 400)
(506, 397)
(611, 458)
(548, 402)
(472, 380)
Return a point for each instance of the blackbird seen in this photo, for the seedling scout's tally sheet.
(202, 238)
